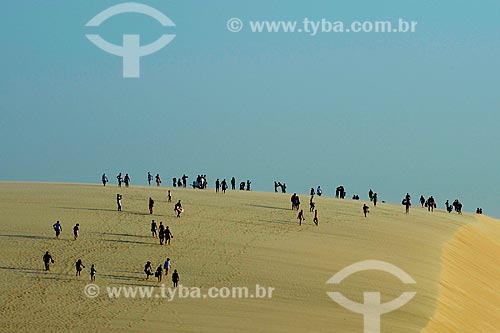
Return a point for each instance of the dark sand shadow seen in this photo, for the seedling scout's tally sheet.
(28, 236)
(126, 241)
(122, 235)
(111, 210)
(268, 207)
(276, 221)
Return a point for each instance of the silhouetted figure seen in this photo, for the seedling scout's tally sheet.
(315, 220)
(153, 229)
(375, 199)
(449, 208)
(126, 180)
(119, 202)
(104, 179)
(217, 185)
(407, 203)
(174, 182)
(431, 204)
(159, 273)
(168, 235)
(150, 205)
(47, 260)
(175, 278)
(161, 232)
(148, 270)
(422, 200)
(248, 184)
(312, 204)
(179, 182)
(223, 185)
(150, 178)
(57, 228)
(366, 209)
(169, 196)
(300, 216)
(370, 194)
(275, 187)
(178, 208)
(79, 266)
(319, 191)
(184, 180)
(120, 179)
(158, 179)
(92, 273)
(242, 186)
(233, 184)
(283, 188)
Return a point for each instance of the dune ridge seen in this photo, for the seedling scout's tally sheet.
(469, 298)
(238, 239)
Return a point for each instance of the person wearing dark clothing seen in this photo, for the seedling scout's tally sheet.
(151, 204)
(175, 278)
(233, 183)
(47, 260)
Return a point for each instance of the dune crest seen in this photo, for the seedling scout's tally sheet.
(469, 299)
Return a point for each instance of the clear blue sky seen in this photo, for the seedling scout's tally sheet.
(399, 113)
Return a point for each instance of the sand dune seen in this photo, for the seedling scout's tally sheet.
(238, 239)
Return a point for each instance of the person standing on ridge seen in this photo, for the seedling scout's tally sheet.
(120, 179)
(126, 180)
(158, 179)
(150, 178)
(233, 184)
(104, 179)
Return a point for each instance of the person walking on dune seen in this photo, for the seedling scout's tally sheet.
(76, 231)
(375, 199)
(148, 270)
(120, 179)
(79, 266)
(47, 260)
(217, 185)
(161, 232)
(223, 186)
(312, 204)
(178, 208)
(92, 273)
(169, 196)
(119, 202)
(366, 210)
(315, 220)
(57, 228)
(168, 235)
(166, 266)
(407, 203)
(422, 200)
(159, 273)
(153, 229)
(126, 180)
(175, 278)
(233, 184)
(104, 179)
(300, 217)
(151, 204)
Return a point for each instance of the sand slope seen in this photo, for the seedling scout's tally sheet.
(237, 239)
(470, 282)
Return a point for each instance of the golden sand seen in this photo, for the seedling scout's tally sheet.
(237, 239)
